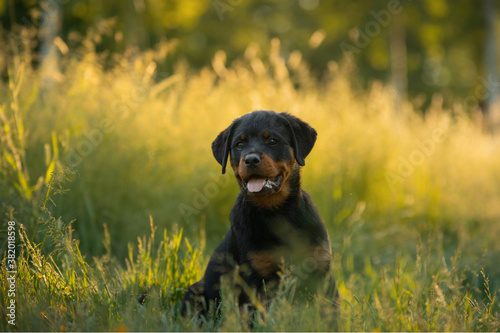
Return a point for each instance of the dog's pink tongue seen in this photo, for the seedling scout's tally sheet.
(256, 184)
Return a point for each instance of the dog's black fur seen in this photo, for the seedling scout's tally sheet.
(273, 220)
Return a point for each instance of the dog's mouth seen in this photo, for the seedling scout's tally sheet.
(259, 184)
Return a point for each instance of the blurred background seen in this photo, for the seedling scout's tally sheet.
(111, 108)
(421, 47)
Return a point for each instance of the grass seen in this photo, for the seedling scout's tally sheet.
(108, 152)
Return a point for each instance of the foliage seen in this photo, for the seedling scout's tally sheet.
(411, 203)
(444, 42)
(61, 290)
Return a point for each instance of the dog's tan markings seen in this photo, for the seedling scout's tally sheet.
(264, 262)
(297, 254)
(271, 168)
(236, 170)
(267, 168)
(237, 174)
(242, 137)
(275, 200)
(266, 135)
(298, 250)
(323, 256)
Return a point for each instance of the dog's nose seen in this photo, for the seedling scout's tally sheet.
(252, 160)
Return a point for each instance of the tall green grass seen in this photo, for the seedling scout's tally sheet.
(95, 153)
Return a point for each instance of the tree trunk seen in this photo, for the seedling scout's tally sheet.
(492, 82)
(398, 60)
(50, 26)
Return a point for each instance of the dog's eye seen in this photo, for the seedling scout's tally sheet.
(240, 145)
(272, 142)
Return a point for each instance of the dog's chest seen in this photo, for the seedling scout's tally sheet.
(294, 248)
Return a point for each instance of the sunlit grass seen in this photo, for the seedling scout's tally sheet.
(411, 201)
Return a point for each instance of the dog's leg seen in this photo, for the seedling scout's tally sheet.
(194, 299)
(201, 296)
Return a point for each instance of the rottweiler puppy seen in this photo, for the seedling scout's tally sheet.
(273, 221)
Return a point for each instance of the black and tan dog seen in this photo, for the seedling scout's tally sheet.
(273, 220)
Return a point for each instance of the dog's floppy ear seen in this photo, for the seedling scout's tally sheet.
(303, 137)
(222, 145)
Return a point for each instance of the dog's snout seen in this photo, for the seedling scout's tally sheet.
(252, 160)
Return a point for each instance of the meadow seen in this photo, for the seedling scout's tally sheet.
(107, 171)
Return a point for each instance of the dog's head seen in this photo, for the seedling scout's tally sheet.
(265, 148)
